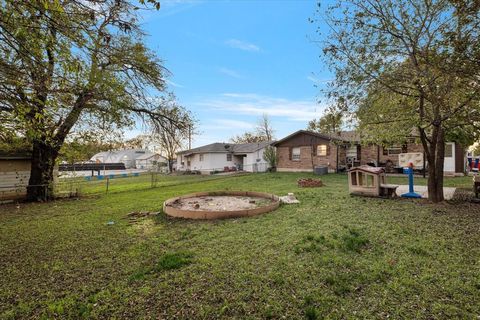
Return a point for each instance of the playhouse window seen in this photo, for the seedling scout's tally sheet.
(201, 157)
(353, 176)
(296, 154)
(229, 157)
(370, 180)
(362, 179)
(322, 150)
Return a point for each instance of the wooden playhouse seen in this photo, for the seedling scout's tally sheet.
(369, 181)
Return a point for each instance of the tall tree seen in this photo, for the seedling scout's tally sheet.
(423, 54)
(172, 138)
(264, 128)
(263, 132)
(63, 63)
(330, 122)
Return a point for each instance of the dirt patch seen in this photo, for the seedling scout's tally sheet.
(220, 203)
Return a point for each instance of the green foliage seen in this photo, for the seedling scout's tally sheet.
(270, 156)
(67, 66)
(330, 122)
(14, 145)
(405, 68)
(248, 137)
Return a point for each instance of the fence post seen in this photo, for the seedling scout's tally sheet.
(106, 191)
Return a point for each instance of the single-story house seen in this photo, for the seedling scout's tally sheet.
(219, 156)
(127, 157)
(149, 161)
(303, 150)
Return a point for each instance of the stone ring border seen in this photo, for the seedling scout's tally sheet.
(210, 215)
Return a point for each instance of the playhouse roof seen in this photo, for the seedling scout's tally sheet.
(369, 169)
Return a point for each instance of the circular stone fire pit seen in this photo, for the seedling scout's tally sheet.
(221, 205)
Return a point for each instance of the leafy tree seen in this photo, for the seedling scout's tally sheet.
(330, 122)
(172, 138)
(421, 57)
(270, 156)
(65, 65)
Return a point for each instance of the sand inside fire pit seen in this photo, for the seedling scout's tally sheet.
(220, 203)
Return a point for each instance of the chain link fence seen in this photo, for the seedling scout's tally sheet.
(84, 183)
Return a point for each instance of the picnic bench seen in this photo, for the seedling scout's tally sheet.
(388, 190)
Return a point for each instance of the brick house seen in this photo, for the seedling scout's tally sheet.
(303, 150)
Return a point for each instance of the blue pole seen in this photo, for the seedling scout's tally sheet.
(411, 193)
(410, 180)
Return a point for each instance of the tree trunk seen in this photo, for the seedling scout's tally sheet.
(435, 161)
(40, 185)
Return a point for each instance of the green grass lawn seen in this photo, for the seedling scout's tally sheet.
(331, 256)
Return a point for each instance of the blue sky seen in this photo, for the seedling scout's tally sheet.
(231, 61)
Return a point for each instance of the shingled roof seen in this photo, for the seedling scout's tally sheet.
(222, 147)
(345, 136)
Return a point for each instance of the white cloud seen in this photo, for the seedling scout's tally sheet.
(256, 105)
(232, 124)
(231, 73)
(174, 84)
(317, 81)
(242, 45)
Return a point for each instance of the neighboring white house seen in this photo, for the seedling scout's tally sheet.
(219, 156)
(149, 161)
(127, 157)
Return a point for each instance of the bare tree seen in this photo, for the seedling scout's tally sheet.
(171, 137)
(263, 132)
(264, 128)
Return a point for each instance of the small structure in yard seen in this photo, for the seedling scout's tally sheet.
(309, 183)
(221, 205)
(14, 175)
(369, 181)
(476, 185)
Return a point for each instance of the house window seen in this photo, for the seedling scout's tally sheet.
(322, 150)
(448, 150)
(188, 163)
(394, 151)
(296, 154)
(229, 157)
(201, 157)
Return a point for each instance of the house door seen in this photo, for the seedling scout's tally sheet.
(449, 163)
